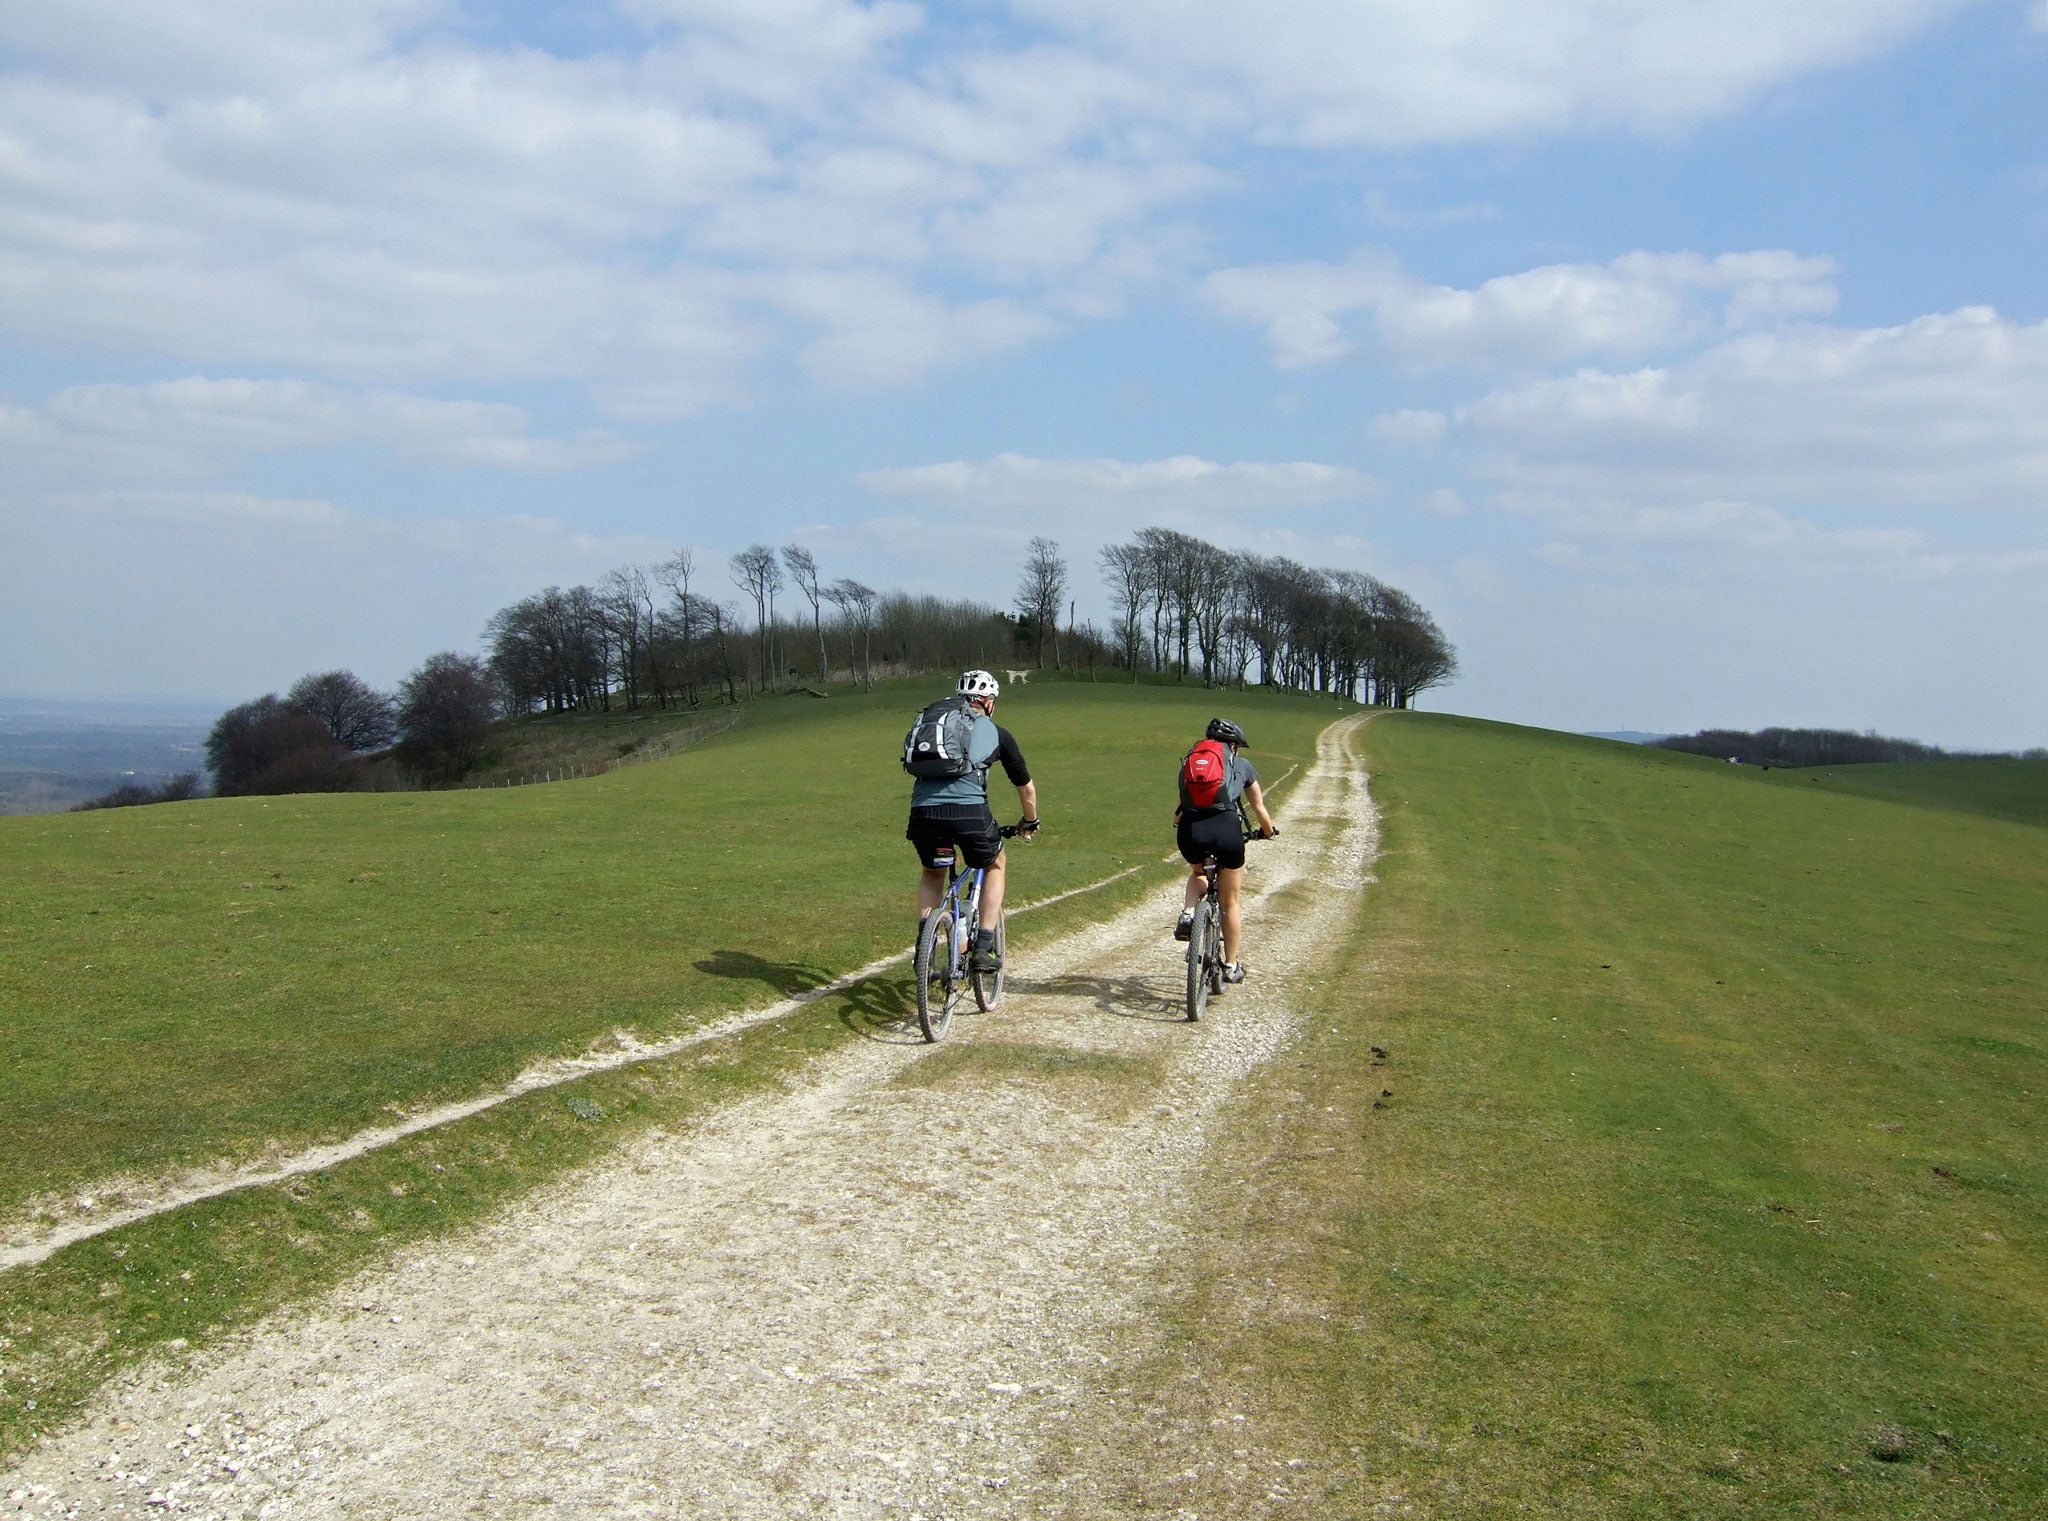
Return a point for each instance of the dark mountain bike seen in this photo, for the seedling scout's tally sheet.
(945, 941)
(1205, 940)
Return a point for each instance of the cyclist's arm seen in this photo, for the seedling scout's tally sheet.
(1256, 796)
(1027, 799)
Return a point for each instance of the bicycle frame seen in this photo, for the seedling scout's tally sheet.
(966, 911)
(942, 974)
(1205, 937)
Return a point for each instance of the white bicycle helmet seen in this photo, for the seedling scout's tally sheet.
(977, 684)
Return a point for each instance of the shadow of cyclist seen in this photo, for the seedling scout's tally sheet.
(787, 978)
(1146, 998)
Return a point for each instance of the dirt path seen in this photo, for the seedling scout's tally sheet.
(881, 1295)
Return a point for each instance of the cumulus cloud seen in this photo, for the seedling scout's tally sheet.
(1392, 73)
(1949, 410)
(199, 428)
(1637, 303)
(359, 189)
(1103, 494)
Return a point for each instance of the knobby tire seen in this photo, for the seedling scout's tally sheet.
(988, 986)
(1201, 940)
(934, 969)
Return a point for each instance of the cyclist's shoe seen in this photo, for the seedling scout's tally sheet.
(985, 956)
(1185, 928)
(1233, 971)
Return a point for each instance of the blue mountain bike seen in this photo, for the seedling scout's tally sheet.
(944, 943)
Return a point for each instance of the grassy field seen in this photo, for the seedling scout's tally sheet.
(1703, 1174)
(1999, 789)
(228, 977)
(206, 979)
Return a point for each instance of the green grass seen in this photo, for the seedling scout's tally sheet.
(1704, 1176)
(209, 980)
(1999, 789)
(194, 981)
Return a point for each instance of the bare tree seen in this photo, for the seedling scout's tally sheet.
(675, 573)
(755, 572)
(803, 569)
(1041, 589)
(1127, 571)
(857, 603)
(626, 607)
(347, 707)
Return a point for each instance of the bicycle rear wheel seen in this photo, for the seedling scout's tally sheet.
(1201, 950)
(937, 981)
(988, 986)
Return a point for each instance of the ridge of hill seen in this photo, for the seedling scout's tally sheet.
(1997, 787)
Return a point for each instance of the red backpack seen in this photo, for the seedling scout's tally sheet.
(1203, 775)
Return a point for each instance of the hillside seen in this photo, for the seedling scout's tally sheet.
(1662, 1138)
(1705, 1175)
(1997, 788)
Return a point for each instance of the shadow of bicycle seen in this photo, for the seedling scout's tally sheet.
(882, 1007)
(1130, 997)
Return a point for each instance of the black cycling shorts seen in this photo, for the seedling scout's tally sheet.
(935, 834)
(1219, 834)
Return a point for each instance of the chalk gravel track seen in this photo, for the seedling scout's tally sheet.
(868, 1297)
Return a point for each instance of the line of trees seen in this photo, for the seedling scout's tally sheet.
(663, 635)
(660, 635)
(1183, 605)
(1813, 747)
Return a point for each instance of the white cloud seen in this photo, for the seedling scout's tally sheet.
(221, 45)
(355, 189)
(1946, 411)
(2039, 16)
(200, 428)
(1637, 303)
(876, 329)
(1105, 494)
(1401, 72)
(1446, 503)
(1410, 426)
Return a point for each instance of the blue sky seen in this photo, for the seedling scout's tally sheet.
(1689, 361)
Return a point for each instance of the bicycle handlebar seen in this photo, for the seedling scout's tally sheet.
(1024, 827)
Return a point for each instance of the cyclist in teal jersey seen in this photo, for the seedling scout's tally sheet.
(953, 814)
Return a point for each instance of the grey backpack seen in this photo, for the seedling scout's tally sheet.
(935, 749)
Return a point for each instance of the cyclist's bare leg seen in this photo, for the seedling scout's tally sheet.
(992, 891)
(1230, 881)
(1197, 885)
(931, 887)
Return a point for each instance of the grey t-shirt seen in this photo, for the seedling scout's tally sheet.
(988, 743)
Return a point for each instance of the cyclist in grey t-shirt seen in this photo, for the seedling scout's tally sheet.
(954, 814)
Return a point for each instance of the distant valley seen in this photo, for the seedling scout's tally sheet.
(57, 752)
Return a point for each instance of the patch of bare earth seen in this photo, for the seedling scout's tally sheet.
(888, 1293)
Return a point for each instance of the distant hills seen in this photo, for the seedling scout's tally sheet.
(1626, 736)
(55, 752)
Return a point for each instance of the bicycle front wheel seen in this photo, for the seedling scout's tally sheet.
(936, 976)
(988, 986)
(1201, 949)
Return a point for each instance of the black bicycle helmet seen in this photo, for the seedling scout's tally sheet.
(1228, 732)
